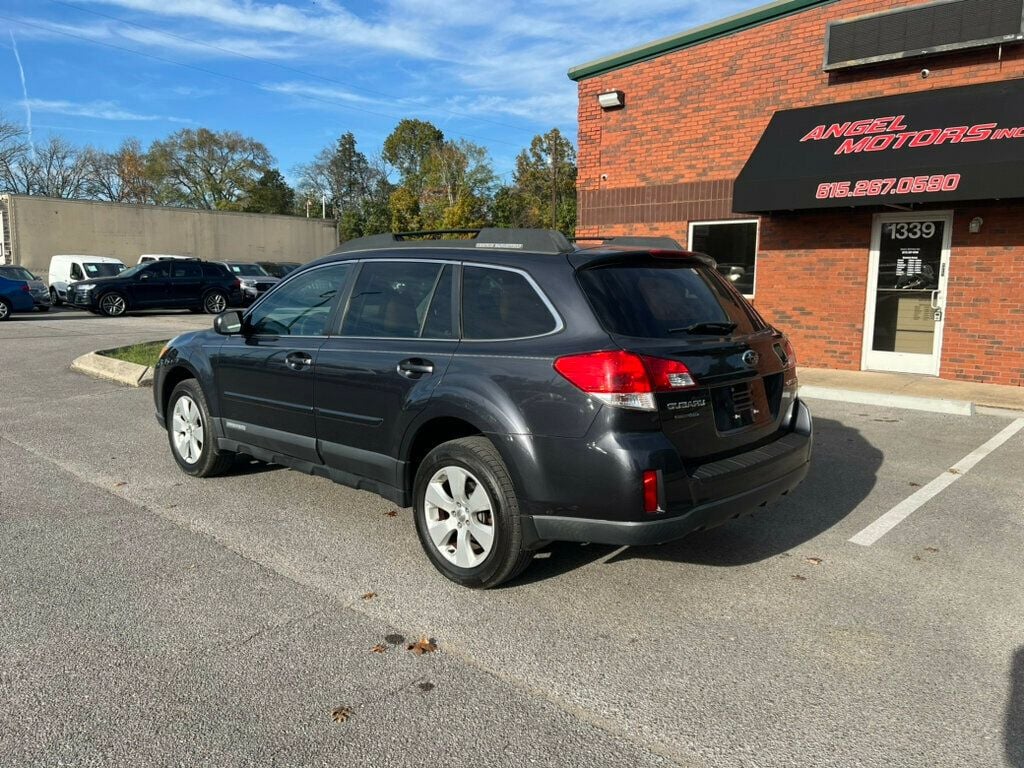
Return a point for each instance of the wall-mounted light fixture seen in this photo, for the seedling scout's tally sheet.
(612, 100)
(974, 227)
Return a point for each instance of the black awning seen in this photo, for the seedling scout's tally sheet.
(950, 144)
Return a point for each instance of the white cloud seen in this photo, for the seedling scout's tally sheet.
(98, 110)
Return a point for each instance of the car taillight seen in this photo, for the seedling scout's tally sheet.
(651, 501)
(624, 379)
(25, 288)
(784, 349)
(238, 284)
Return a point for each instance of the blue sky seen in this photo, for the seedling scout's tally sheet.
(297, 74)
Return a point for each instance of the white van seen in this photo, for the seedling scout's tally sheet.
(65, 269)
(147, 257)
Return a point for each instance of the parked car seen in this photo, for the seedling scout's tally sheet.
(254, 279)
(66, 269)
(148, 257)
(279, 268)
(36, 288)
(512, 388)
(170, 284)
(15, 296)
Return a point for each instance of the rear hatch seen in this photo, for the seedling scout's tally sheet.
(674, 306)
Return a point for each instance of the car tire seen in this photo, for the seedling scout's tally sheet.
(5, 310)
(55, 298)
(467, 514)
(190, 432)
(113, 304)
(215, 302)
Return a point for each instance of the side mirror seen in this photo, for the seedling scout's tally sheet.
(228, 323)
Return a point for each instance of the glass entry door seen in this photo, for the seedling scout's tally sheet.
(906, 295)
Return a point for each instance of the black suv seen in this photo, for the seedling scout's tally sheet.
(169, 284)
(512, 388)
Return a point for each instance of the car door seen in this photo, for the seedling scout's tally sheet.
(150, 287)
(186, 284)
(393, 346)
(265, 375)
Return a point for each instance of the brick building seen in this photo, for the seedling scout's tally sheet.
(856, 166)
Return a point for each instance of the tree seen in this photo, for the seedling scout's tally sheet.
(356, 188)
(512, 208)
(270, 194)
(118, 176)
(458, 185)
(200, 168)
(408, 148)
(54, 169)
(13, 146)
(546, 175)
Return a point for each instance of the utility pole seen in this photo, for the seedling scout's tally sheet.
(323, 203)
(309, 204)
(554, 184)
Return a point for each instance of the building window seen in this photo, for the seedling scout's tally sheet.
(733, 244)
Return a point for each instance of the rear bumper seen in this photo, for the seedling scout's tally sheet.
(638, 533)
(595, 494)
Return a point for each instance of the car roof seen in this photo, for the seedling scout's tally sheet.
(101, 259)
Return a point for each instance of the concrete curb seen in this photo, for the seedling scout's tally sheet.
(885, 399)
(112, 369)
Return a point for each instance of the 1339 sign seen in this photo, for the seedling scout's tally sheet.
(910, 230)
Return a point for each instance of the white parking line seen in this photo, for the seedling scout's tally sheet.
(903, 510)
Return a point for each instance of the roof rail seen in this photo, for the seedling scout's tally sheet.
(492, 238)
(667, 243)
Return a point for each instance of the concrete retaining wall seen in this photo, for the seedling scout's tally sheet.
(36, 228)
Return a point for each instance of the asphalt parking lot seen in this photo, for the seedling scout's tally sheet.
(150, 618)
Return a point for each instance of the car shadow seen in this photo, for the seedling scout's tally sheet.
(844, 469)
(1013, 735)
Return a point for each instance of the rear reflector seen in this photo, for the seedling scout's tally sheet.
(624, 379)
(651, 491)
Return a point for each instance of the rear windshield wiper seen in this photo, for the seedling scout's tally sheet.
(722, 327)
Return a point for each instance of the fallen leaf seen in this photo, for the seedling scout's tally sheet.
(379, 648)
(369, 595)
(813, 560)
(426, 687)
(341, 714)
(798, 577)
(914, 485)
(392, 513)
(954, 471)
(423, 645)
(394, 639)
(917, 557)
(120, 483)
(931, 549)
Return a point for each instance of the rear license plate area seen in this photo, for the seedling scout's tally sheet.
(740, 405)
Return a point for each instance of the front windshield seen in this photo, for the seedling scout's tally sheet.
(102, 268)
(248, 270)
(16, 273)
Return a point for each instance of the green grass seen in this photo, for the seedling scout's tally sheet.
(146, 353)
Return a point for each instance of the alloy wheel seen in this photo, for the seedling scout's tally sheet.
(459, 516)
(112, 304)
(4, 310)
(187, 429)
(216, 303)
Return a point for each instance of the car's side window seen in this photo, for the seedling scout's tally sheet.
(76, 272)
(438, 321)
(190, 269)
(499, 304)
(159, 271)
(301, 306)
(391, 299)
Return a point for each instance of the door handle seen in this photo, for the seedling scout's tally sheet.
(935, 299)
(298, 361)
(415, 368)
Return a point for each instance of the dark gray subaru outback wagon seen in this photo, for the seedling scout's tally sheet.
(510, 386)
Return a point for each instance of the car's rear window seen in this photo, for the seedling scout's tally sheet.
(658, 299)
